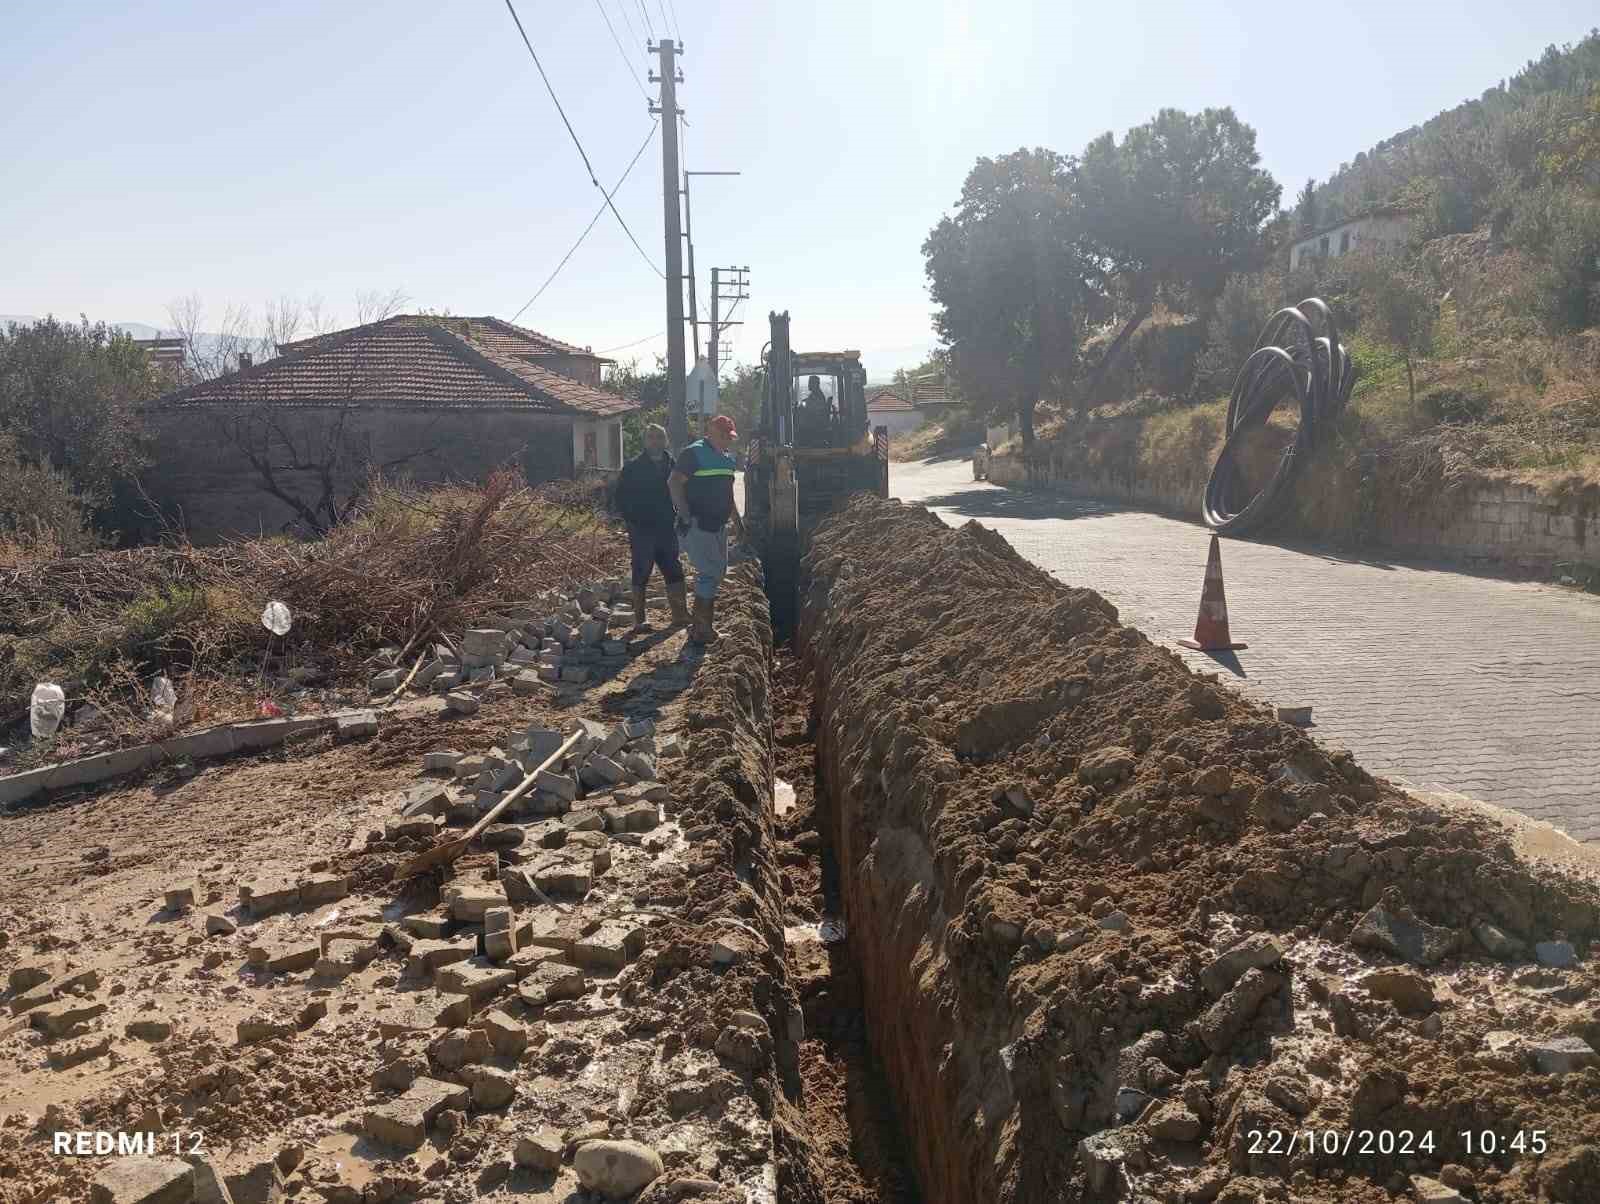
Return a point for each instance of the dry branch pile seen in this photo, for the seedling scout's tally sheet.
(409, 562)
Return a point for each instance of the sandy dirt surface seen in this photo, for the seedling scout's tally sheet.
(1123, 935)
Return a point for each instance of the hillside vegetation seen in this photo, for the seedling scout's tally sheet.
(1477, 342)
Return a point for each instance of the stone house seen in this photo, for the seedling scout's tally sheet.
(888, 406)
(1385, 228)
(433, 399)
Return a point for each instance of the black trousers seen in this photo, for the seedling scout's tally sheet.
(654, 548)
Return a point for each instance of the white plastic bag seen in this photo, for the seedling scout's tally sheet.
(276, 618)
(48, 707)
(163, 699)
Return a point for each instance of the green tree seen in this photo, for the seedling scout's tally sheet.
(70, 397)
(649, 389)
(1008, 280)
(1305, 208)
(1398, 307)
(1170, 213)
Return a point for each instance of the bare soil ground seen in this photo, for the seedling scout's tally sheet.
(1124, 935)
(668, 1029)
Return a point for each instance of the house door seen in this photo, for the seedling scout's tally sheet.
(591, 449)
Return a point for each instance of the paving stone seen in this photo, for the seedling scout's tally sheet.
(407, 1012)
(61, 1016)
(403, 1122)
(609, 947)
(411, 827)
(459, 1047)
(507, 1038)
(469, 767)
(265, 896)
(1407, 990)
(255, 1029)
(539, 1151)
(563, 786)
(478, 982)
(565, 872)
(440, 758)
(1496, 942)
(1562, 1055)
(263, 1183)
(218, 924)
(427, 957)
(639, 765)
(638, 729)
(461, 703)
(551, 982)
(30, 972)
(140, 1179)
(601, 771)
(356, 725)
(633, 817)
(492, 1088)
(181, 896)
(425, 798)
(149, 1029)
(469, 902)
(1431, 1191)
(67, 1056)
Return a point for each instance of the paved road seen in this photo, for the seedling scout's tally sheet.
(1446, 680)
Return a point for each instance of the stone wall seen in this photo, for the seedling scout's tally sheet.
(1504, 524)
(201, 481)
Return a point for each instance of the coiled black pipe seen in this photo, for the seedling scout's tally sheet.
(1298, 355)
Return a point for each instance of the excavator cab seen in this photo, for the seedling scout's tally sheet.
(812, 449)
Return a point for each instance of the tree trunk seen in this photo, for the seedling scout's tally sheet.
(1091, 391)
(1025, 423)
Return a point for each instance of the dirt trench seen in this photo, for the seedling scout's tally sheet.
(1121, 935)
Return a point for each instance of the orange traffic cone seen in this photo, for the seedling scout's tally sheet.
(1211, 628)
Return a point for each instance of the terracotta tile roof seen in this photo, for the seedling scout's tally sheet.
(930, 390)
(493, 333)
(416, 363)
(885, 398)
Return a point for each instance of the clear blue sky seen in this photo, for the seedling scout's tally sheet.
(243, 152)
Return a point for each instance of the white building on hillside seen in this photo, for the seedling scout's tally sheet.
(1385, 228)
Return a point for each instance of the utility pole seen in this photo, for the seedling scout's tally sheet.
(668, 77)
(688, 236)
(738, 284)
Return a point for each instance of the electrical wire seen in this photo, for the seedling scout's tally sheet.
(665, 24)
(617, 42)
(676, 24)
(648, 24)
(584, 155)
(598, 214)
(1298, 355)
(633, 34)
(623, 347)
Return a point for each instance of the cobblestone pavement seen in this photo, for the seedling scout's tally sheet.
(1432, 676)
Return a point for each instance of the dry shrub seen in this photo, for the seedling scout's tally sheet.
(409, 563)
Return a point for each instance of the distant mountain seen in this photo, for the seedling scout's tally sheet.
(134, 330)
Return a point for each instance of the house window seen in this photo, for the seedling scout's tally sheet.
(1344, 242)
(591, 444)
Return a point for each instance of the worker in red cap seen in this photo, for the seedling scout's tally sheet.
(701, 486)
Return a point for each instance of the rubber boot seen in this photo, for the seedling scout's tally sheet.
(677, 598)
(641, 621)
(705, 612)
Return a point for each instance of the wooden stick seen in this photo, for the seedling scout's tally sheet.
(444, 853)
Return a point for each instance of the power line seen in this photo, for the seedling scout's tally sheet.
(623, 347)
(626, 61)
(633, 34)
(672, 4)
(645, 13)
(598, 213)
(665, 24)
(584, 155)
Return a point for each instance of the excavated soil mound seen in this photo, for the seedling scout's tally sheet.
(1124, 935)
